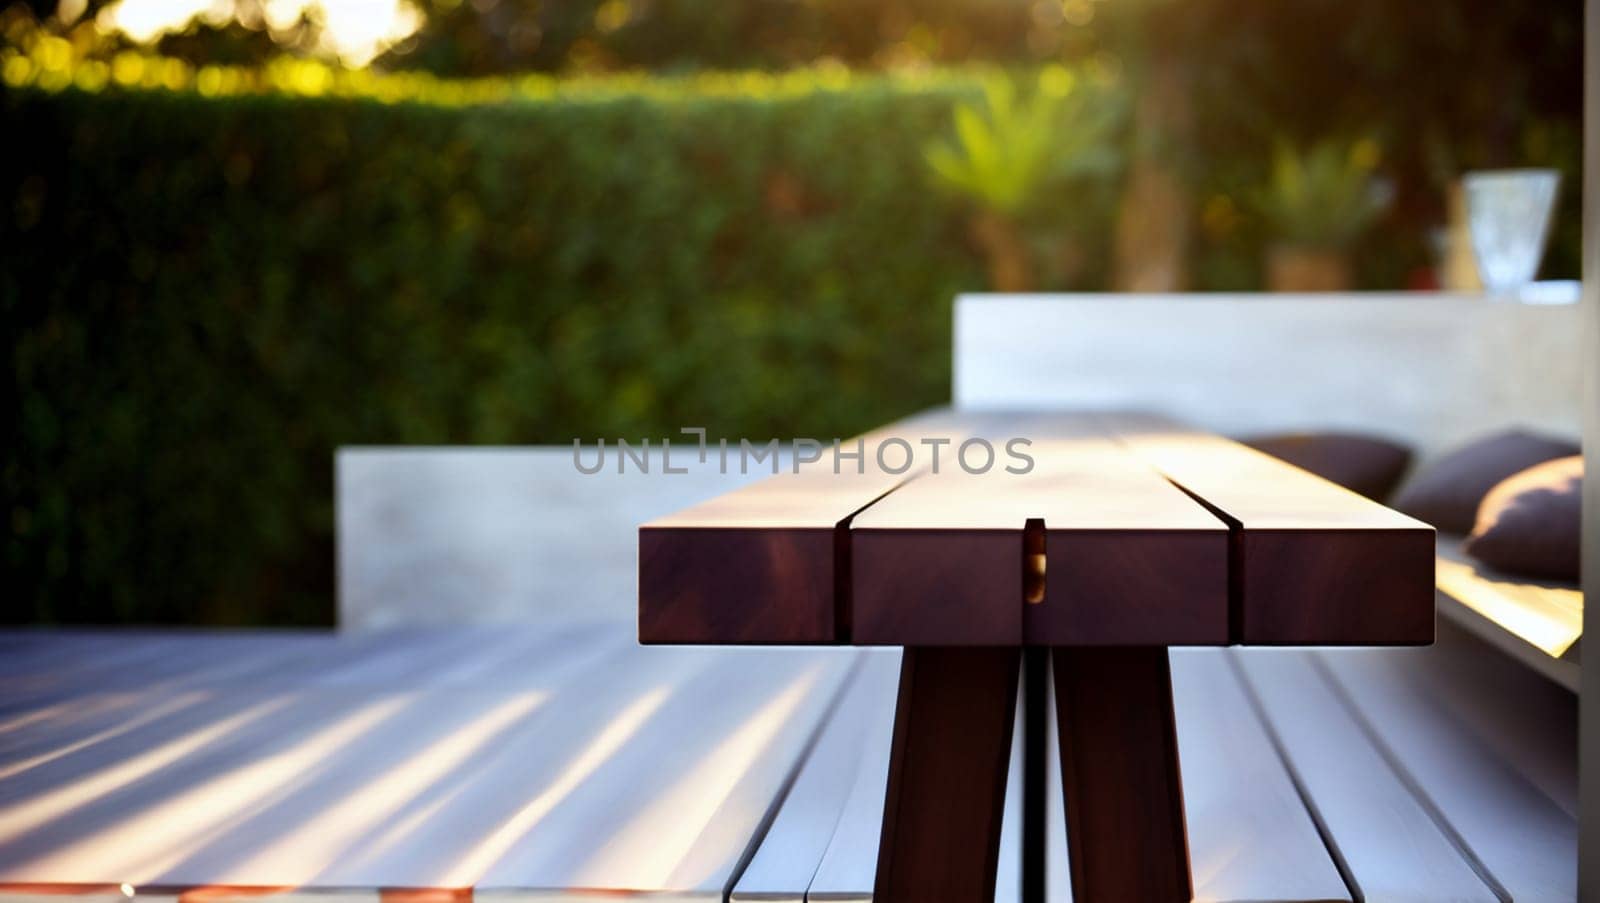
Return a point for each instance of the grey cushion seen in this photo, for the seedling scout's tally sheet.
(1365, 464)
(1530, 524)
(1447, 493)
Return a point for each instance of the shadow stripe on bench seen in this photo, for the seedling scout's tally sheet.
(1524, 841)
(854, 741)
(1519, 715)
(1389, 846)
(567, 762)
(848, 774)
(1250, 836)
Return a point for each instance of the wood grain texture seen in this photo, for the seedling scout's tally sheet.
(937, 587)
(1117, 588)
(1526, 843)
(737, 585)
(1528, 721)
(849, 867)
(1250, 833)
(1130, 558)
(1154, 535)
(548, 761)
(1120, 776)
(798, 838)
(1383, 837)
(945, 799)
(1544, 615)
(1315, 564)
(766, 563)
(1366, 588)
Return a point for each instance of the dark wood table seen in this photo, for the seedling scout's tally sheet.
(1130, 534)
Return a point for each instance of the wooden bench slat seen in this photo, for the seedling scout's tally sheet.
(1527, 844)
(1008, 872)
(1317, 564)
(1135, 557)
(194, 796)
(1528, 722)
(1130, 558)
(573, 762)
(675, 808)
(1546, 615)
(1390, 846)
(1538, 623)
(848, 870)
(1250, 836)
(849, 866)
(454, 834)
(1057, 864)
(758, 564)
(794, 844)
(138, 663)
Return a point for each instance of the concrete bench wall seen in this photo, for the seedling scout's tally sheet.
(1431, 370)
(460, 535)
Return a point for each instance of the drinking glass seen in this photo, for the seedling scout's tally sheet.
(1508, 214)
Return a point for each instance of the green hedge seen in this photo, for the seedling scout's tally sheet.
(207, 296)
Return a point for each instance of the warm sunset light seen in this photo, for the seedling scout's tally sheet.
(353, 30)
(912, 451)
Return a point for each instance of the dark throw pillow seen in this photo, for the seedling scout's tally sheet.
(1447, 492)
(1364, 464)
(1529, 524)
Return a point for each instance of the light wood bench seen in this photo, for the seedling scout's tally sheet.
(532, 763)
(543, 764)
(1538, 623)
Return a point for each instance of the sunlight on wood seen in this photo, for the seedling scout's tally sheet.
(489, 850)
(142, 848)
(16, 821)
(322, 840)
(1549, 617)
(655, 846)
(144, 717)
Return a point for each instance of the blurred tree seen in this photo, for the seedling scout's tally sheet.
(1449, 85)
(477, 37)
(234, 43)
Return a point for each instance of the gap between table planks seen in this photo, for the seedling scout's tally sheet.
(1153, 534)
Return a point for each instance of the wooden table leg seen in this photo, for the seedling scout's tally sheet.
(1119, 767)
(947, 775)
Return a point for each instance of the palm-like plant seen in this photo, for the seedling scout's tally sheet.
(1011, 155)
(1323, 196)
(1006, 152)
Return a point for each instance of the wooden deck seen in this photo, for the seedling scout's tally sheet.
(569, 764)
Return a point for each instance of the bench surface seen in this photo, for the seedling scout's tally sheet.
(1148, 533)
(567, 762)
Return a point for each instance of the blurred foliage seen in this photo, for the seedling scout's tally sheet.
(1444, 87)
(252, 281)
(1015, 157)
(478, 37)
(1323, 196)
(1007, 153)
(35, 58)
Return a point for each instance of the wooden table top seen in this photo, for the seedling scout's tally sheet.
(1128, 529)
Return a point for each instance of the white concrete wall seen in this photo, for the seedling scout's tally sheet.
(1432, 370)
(482, 535)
